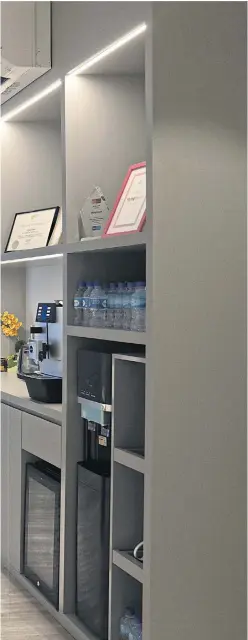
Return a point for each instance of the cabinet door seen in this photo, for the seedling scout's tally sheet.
(15, 487)
(5, 484)
(11, 498)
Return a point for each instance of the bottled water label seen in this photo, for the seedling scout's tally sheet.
(86, 303)
(111, 302)
(77, 303)
(95, 303)
(139, 302)
(98, 303)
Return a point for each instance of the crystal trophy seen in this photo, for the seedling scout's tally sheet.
(93, 216)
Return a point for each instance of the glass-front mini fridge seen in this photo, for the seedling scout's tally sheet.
(42, 529)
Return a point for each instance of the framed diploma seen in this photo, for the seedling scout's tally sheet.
(32, 229)
(56, 236)
(129, 212)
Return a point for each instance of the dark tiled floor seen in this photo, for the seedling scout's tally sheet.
(23, 618)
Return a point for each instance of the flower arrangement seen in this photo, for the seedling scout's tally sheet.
(10, 326)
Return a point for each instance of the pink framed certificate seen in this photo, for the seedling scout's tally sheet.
(129, 212)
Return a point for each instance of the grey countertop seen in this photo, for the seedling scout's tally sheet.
(14, 392)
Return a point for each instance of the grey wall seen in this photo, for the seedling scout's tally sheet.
(44, 284)
(13, 299)
(31, 169)
(105, 134)
(30, 179)
(196, 404)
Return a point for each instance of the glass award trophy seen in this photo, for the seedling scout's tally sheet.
(93, 216)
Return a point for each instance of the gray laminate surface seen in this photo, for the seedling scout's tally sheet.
(23, 618)
(14, 392)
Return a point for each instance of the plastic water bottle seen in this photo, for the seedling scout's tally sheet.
(125, 624)
(126, 323)
(138, 307)
(85, 311)
(104, 305)
(98, 306)
(135, 632)
(118, 310)
(111, 305)
(130, 626)
(78, 303)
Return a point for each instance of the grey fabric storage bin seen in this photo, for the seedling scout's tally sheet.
(93, 517)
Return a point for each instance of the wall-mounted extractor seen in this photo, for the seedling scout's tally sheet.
(25, 45)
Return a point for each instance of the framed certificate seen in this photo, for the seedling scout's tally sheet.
(56, 236)
(129, 212)
(32, 229)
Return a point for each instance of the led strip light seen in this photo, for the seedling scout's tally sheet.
(47, 256)
(108, 50)
(121, 42)
(28, 103)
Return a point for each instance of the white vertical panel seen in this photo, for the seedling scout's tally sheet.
(44, 284)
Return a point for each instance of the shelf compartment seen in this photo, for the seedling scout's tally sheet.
(127, 507)
(106, 266)
(133, 459)
(126, 591)
(129, 403)
(113, 335)
(129, 564)
(123, 243)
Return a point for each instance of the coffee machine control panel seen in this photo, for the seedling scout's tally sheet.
(46, 312)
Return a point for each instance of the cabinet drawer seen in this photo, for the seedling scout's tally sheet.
(42, 438)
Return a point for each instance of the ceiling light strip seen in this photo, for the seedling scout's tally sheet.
(28, 103)
(108, 50)
(34, 258)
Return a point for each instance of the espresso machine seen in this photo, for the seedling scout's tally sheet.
(94, 392)
(40, 359)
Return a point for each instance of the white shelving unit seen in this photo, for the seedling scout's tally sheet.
(128, 476)
(40, 255)
(176, 97)
(122, 243)
(112, 259)
(130, 565)
(116, 335)
(130, 459)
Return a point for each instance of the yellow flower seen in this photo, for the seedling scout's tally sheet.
(10, 324)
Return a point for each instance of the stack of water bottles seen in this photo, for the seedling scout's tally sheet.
(119, 305)
(130, 626)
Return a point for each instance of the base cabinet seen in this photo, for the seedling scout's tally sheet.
(11, 490)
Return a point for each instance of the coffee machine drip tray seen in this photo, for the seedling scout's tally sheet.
(95, 411)
(43, 388)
